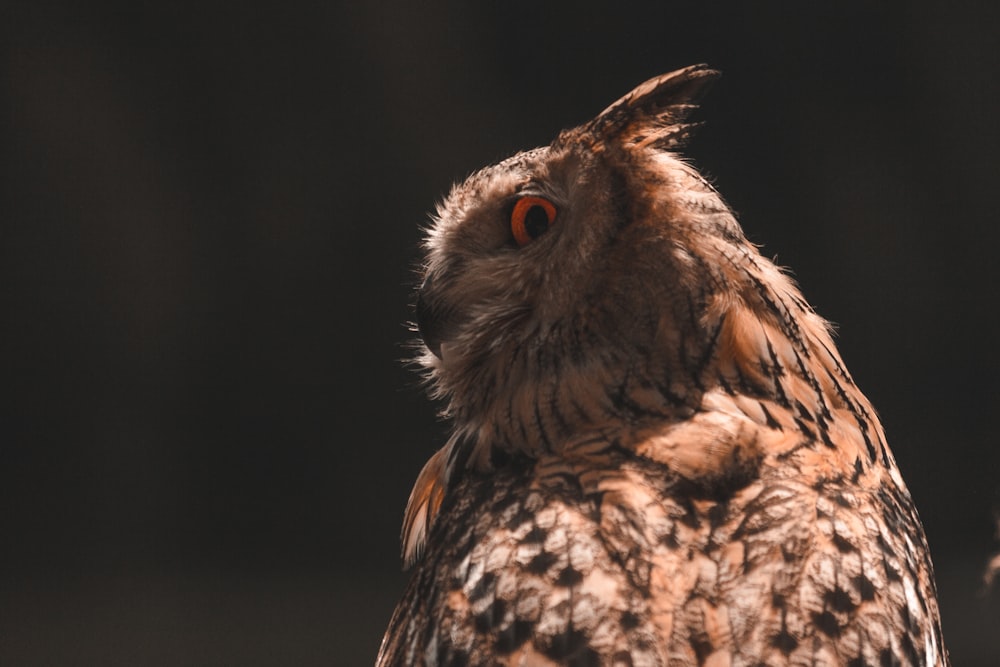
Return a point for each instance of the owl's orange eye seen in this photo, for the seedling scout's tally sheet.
(532, 217)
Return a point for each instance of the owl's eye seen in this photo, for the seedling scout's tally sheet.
(531, 217)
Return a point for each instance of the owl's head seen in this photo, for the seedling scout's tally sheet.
(565, 286)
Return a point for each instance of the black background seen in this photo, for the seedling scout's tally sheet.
(210, 214)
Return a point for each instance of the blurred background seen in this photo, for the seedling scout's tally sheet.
(209, 218)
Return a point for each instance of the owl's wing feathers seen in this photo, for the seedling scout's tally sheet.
(423, 505)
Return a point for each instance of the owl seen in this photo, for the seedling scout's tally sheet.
(657, 454)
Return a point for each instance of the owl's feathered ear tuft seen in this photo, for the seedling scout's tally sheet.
(654, 113)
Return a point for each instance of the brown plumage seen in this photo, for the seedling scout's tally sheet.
(658, 455)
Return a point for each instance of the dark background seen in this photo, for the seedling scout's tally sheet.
(209, 215)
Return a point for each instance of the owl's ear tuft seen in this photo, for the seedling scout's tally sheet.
(654, 113)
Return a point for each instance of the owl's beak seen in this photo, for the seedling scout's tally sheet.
(429, 321)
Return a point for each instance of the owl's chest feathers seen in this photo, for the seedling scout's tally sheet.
(622, 552)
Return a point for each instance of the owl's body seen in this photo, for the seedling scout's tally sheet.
(658, 456)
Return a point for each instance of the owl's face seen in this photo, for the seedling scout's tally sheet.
(564, 288)
(514, 251)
